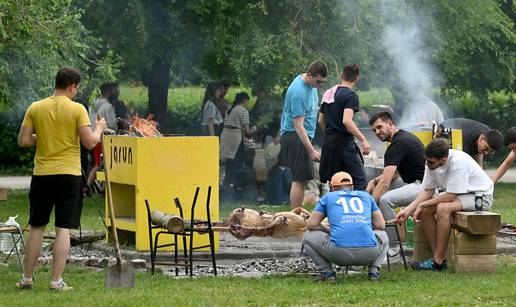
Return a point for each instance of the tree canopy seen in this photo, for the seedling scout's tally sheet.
(262, 44)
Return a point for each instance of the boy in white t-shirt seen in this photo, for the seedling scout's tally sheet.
(461, 178)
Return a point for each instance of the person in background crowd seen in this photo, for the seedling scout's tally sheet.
(121, 110)
(221, 103)
(101, 108)
(298, 122)
(478, 139)
(54, 126)
(404, 167)
(356, 232)
(212, 120)
(236, 127)
(461, 178)
(509, 141)
(339, 151)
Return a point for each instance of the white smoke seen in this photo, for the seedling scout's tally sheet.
(404, 41)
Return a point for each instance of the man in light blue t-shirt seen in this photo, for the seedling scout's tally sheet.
(356, 234)
(298, 123)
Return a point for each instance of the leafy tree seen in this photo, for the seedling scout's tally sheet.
(150, 37)
(38, 37)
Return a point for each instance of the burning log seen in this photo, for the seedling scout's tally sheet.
(170, 222)
(144, 127)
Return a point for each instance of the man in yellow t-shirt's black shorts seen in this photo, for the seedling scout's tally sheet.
(55, 125)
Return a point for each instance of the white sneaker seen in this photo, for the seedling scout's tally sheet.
(394, 251)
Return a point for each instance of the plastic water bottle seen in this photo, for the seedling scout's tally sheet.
(410, 232)
(6, 241)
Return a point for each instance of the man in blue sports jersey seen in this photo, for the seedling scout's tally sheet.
(355, 235)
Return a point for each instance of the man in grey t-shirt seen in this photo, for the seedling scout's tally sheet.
(461, 178)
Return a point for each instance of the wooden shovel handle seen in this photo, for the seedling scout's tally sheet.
(114, 234)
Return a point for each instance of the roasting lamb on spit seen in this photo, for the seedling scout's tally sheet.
(244, 223)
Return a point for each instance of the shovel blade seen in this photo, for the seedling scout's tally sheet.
(120, 275)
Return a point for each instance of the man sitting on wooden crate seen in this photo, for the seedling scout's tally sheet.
(461, 179)
(356, 235)
(400, 182)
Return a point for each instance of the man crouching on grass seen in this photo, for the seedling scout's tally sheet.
(54, 125)
(460, 177)
(350, 239)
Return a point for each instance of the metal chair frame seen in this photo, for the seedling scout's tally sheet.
(398, 241)
(14, 230)
(187, 259)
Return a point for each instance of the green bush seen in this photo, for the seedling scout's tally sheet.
(13, 159)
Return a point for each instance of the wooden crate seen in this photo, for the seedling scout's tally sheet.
(484, 223)
(475, 263)
(468, 244)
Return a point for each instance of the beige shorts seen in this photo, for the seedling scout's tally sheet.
(468, 201)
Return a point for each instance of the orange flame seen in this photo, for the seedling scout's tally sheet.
(144, 127)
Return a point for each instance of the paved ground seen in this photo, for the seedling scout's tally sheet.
(23, 182)
(15, 182)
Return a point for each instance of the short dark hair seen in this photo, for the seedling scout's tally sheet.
(350, 72)
(384, 116)
(67, 76)
(510, 136)
(317, 68)
(437, 148)
(225, 84)
(239, 98)
(107, 88)
(494, 139)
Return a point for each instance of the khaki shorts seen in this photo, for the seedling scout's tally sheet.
(468, 201)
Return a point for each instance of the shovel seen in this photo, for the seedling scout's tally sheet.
(120, 275)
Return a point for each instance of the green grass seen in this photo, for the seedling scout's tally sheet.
(375, 96)
(397, 287)
(136, 96)
(505, 201)
(18, 204)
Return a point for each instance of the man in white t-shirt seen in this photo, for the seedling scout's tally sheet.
(460, 177)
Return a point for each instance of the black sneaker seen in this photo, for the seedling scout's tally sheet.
(429, 265)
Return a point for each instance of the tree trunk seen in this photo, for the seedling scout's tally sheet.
(158, 83)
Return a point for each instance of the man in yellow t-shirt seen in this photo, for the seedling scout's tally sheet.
(55, 125)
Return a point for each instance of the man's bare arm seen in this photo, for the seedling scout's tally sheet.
(321, 120)
(385, 182)
(504, 166)
(347, 121)
(303, 136)
(314, 222)
(26, 137)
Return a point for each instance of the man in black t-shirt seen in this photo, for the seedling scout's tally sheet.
(404, 167)
(477, 139)
(340, 153)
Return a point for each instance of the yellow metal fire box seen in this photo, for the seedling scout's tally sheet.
(456, 137)
(160, 169)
